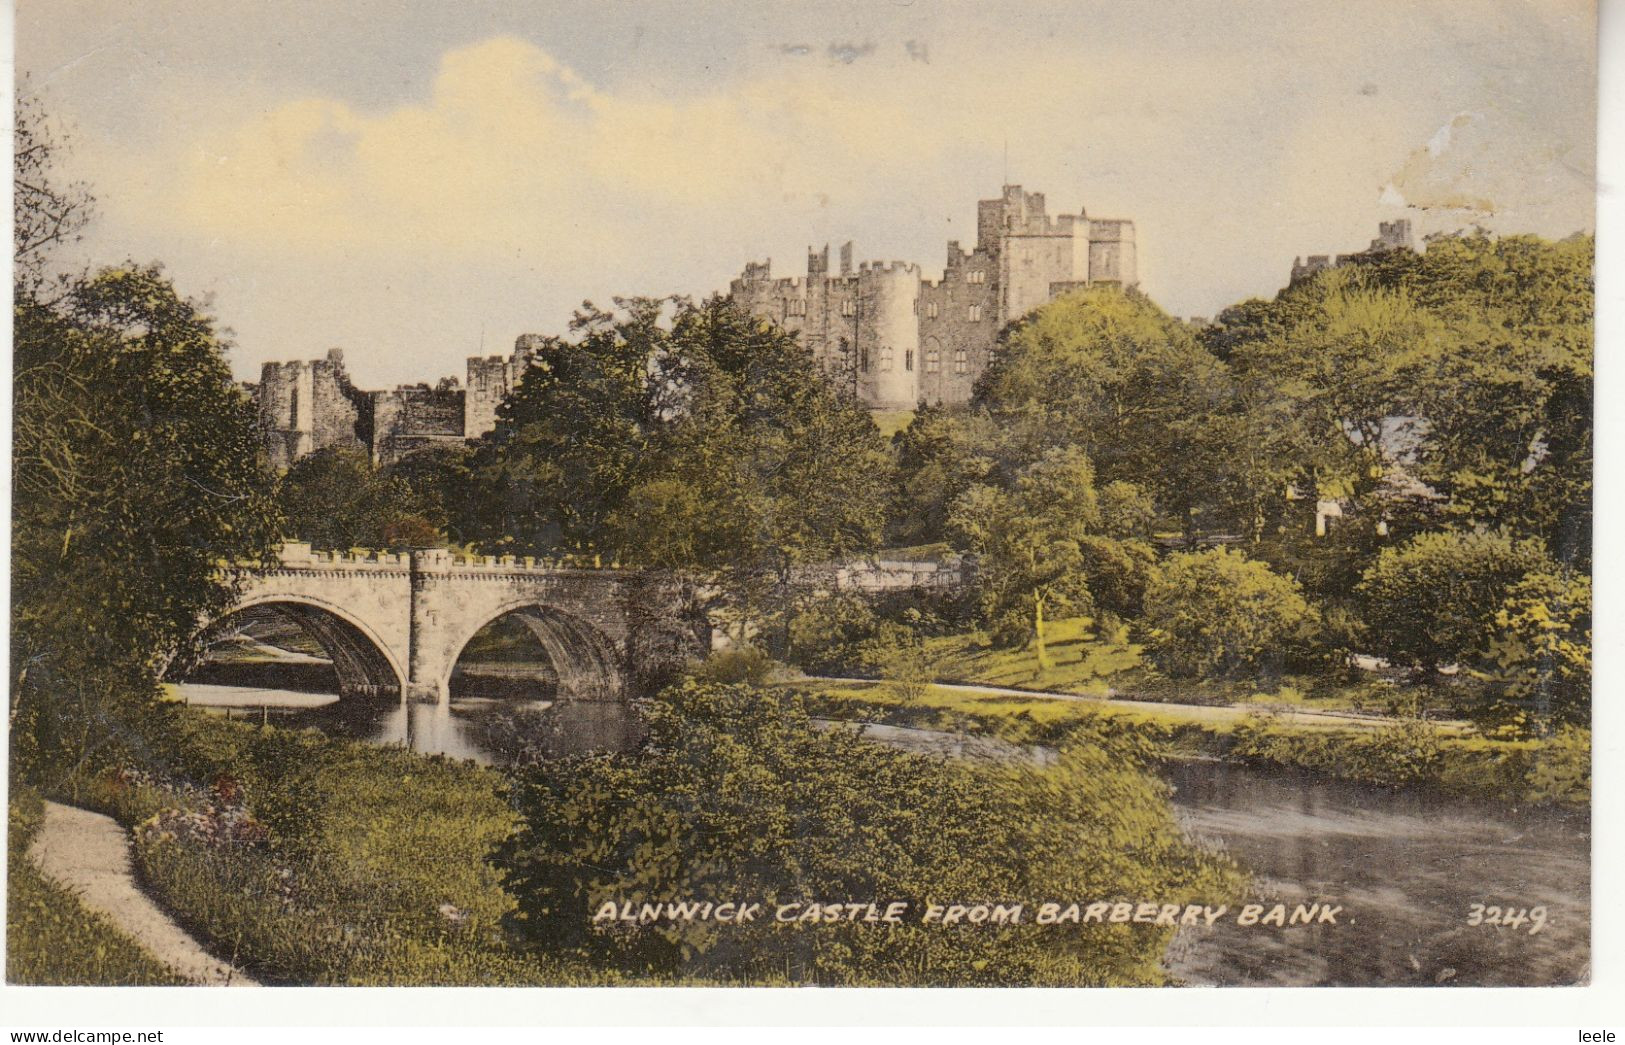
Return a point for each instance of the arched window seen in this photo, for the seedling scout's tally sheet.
(961, 361)
(933, 360)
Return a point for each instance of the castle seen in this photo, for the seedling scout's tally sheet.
(1391, 235)
(899, 338)
(307, 405)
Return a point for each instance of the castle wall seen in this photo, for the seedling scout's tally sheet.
(409, 419)
(490, 379)
(958, 325)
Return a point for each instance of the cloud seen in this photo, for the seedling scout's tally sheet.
(509, 186)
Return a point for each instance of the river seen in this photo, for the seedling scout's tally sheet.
(1405, 867)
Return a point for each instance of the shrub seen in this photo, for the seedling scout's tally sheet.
(738, 664)
(1218, 613)
(738, 798)
(1539, 663)
(1433, 600)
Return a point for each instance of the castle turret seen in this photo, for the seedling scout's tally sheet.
(888, 335)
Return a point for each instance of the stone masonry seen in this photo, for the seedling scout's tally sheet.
(897, 338)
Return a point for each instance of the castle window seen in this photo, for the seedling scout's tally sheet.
(848, 308)
(795, 307)
(976, 313)
(961, 361)
(931, 310)
(977, 276)
(863, 360)
(885, 359)
(908, 359)
(933, 361)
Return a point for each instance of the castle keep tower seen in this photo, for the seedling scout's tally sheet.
(896, 338)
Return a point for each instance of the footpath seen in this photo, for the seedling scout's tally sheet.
(89, 854)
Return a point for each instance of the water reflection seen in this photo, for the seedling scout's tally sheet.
(1406, 866)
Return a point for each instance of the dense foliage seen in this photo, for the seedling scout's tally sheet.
(335, 499)
(739, 798)
(1398, 396)
(687, 437)
(137, 473)
(1218, 613)
(1434, 599)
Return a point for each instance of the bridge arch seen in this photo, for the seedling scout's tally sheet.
(584, 658)
(362, 660)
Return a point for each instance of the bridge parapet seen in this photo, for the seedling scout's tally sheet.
(300, 555)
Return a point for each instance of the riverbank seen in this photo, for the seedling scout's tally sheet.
(1382, 752)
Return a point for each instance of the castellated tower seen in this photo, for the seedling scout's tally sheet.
(888, 335)
(305, 405)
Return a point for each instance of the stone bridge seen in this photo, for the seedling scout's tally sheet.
(395, 624)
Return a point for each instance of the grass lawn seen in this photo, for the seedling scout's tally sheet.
(940, 704)
(890, 422)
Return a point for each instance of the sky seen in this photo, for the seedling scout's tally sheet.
(419, 182)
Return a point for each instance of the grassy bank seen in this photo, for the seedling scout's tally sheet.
(51, 938)
(1400, 752)
(1088, 663)
(317, 861)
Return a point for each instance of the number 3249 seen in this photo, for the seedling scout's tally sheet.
(1508, 917)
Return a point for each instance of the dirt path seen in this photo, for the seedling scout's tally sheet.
(89, 854)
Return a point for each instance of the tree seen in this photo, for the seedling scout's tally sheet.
(737, 798)
(336, 500)
(46, 214)
(940, 454)
(1107, 371)
(576, 435)
(1216, 613)
(137, 473)
(1539, 661)
(1434, 599)
(1030, 542)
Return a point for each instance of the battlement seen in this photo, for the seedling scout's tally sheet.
(298, 555)
(758, 271)
(888, 267)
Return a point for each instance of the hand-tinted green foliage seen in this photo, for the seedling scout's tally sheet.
(708, 443)
(137, 473)
(1109, 372)
(1216, 612)
(1538, 665)
(364, 865)
(739, 797)
(335, 499)
(52, 938)
(940, 454)
(1433, 600)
